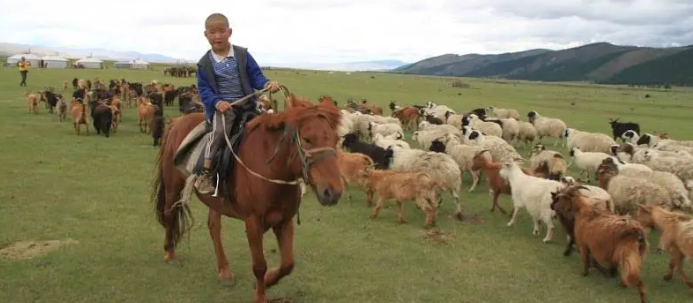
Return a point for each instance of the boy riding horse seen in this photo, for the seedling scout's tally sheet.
(226, 73)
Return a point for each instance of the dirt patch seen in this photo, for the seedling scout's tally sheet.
(31, 249)
(281, 300)
(468, 218)
(437, 236)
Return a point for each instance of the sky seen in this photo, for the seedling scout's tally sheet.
(328, 31)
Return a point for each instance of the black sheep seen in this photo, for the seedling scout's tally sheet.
(103, 119)
(381, 157)
(619, 128)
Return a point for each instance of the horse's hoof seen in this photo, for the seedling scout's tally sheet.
(170, 257)
(228, 282)
(459, 216)
(668, 277)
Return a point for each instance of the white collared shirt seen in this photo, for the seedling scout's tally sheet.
(220, 58)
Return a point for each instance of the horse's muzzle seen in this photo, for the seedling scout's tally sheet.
(327, 196)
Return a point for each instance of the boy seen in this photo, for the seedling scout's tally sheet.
(224, 74)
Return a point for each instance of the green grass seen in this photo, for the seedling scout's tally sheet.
(56, 185)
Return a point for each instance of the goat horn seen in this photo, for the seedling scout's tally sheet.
(582, 187)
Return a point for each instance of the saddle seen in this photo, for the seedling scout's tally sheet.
(189, 157)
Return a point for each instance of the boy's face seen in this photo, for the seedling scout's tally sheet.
(217, 33)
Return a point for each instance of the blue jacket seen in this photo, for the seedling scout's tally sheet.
(250, 74)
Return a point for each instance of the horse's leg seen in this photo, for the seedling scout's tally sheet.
(285, 238)
(214, 224)
(254, 232)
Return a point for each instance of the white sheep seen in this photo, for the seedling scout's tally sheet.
(547, 127)
(554, 161)
(532, 193)
(500, 150)
(453, 119)
(587, 141)
(464, 156)
(386, 129)
(591, 191)
(488, 128)
(391, 141)
(587, 162)
(503, 113)
(527, 133)
(439, 166)
(511, 129)
(682, 167)
(427, 136)
(628, 167)
(679, 196)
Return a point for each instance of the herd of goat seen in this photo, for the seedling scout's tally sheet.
(643, 182)
(103, 104)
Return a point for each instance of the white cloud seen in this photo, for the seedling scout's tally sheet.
(323, 31)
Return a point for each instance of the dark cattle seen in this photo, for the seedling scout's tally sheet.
(74, 83)
(137, 88)
(51, 100)
(103, 119)
(620, 128)
(157, 126)
(381, 157)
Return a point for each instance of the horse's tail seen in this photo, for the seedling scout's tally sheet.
(181, 220)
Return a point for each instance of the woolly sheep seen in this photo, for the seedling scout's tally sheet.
(427, 136)
(679, 196)
(597, 194)
(679, 166)
(488, 128)
(627, 192)
(463, 155)
(526, 133)
(532, 193)
(587, 141)
(386, 129)
(504, 113)
(500, 150)
(587, 162)
(554, 161)
(547, 127)
(511, 129)
(390, 141)
(441, 167)
(453, 119)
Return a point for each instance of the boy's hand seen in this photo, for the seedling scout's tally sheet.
(273, 85)
(223, 106)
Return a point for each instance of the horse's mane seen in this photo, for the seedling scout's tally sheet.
(298, 111)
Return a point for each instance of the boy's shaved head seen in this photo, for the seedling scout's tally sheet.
(217, 17)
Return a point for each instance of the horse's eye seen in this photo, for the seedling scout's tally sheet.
(308, 141)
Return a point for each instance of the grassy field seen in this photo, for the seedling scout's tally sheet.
(94, 190)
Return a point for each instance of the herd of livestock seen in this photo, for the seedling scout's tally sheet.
(643, 182)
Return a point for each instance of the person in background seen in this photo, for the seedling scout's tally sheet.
(23, 70)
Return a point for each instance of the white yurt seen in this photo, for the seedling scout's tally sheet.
(122, 65)
(90, 62)
(33, 59)
(54, 62)
(140, 64)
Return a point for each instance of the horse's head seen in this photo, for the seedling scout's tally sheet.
(312, 129)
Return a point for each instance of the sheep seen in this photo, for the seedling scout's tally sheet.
(673, 146)
(454, 119)
(393, 140)
(532, 193)
(350, 167)
(676, 236)
(380, 156)
(497, 185)
(630, 153)
(425, 137)
(403, 186)
(504, 113)
(587, 162)
(425, 125)
(385, 129)
(433, 120)
(500, 150)
(681, 167)
(552, 159)
(607, 240)
(562, 207)
(650, 139)
(547, 127)
(627, 192)
(441, 167)
(462, 154)
(588, 142)
(511, 129)
(346, 124)
(678, 194)
(598, 194)
(526, 133)
(488, 128)
(618, 129)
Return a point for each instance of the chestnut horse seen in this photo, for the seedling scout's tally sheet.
(261, 191)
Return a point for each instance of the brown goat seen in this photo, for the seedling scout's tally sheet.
(351, 167)
(32, 101)
(676, 237)
(497, 185)
(79, 116)
(145, 114)
(405, 186)
(563, 206)
(611, 240)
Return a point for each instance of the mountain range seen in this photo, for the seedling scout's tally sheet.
(600, 62)
(7, 49)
